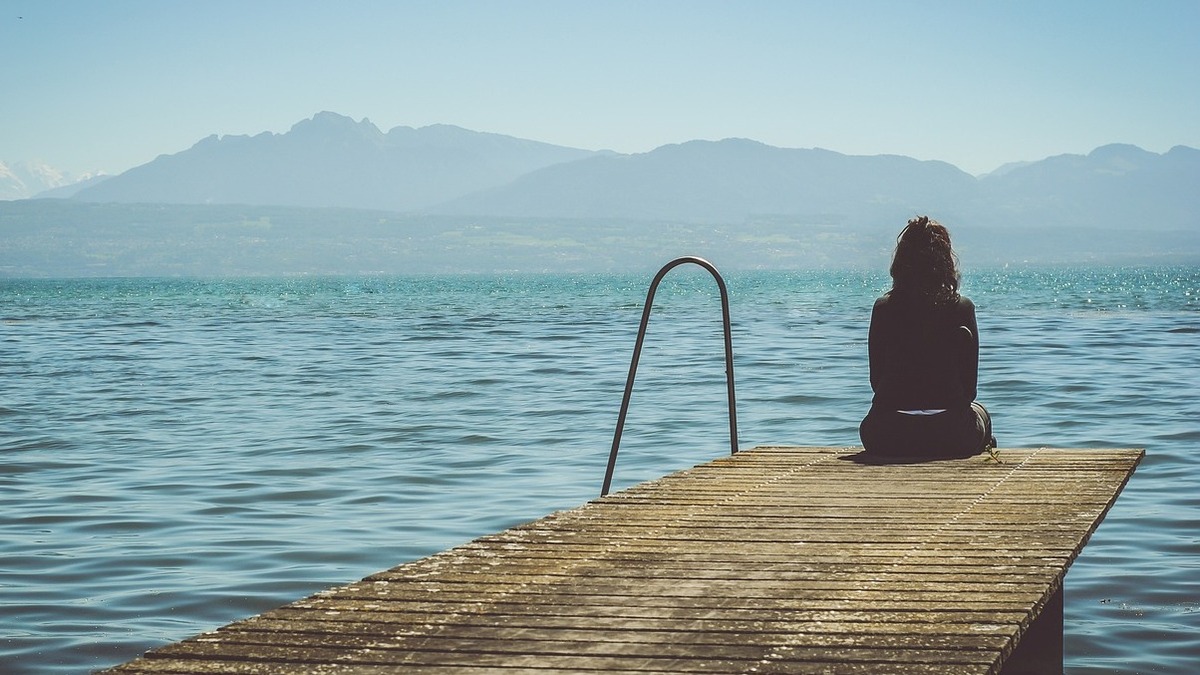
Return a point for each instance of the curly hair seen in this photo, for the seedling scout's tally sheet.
(924, 264)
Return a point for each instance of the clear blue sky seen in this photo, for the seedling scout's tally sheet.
(110, 84)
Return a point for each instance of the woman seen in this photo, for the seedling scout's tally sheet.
(924, 355)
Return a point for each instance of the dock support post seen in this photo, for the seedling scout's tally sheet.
(1040, 651)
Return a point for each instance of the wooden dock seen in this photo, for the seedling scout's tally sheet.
(774, 560)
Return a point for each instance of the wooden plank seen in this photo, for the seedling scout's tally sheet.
(775, 560)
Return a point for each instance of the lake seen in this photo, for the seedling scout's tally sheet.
(176, 454)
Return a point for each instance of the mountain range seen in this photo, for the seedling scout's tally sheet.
(535, 205)
(333, 161)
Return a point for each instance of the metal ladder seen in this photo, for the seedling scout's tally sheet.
(637, 352)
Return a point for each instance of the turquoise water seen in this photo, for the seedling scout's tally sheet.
(177, 454)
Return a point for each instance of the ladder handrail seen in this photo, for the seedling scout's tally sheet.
(637, 351)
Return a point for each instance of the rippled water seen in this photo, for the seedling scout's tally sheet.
(177, 454)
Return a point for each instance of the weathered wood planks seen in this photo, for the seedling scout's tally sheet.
(774, 560)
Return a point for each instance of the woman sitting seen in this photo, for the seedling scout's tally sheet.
(923, 348)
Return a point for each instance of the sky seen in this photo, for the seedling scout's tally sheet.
(106, 85)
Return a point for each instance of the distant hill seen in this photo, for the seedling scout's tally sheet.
(333, 161)
(724, 181)
(1113, 187)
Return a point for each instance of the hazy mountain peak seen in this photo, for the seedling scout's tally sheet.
(434, 134)
(708, 146)
(20, 180)
(71, 189)
(331, 120)
(1004, 168)
(1121, 157)
(329, 124)
(1120, 151)
(451, 130)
